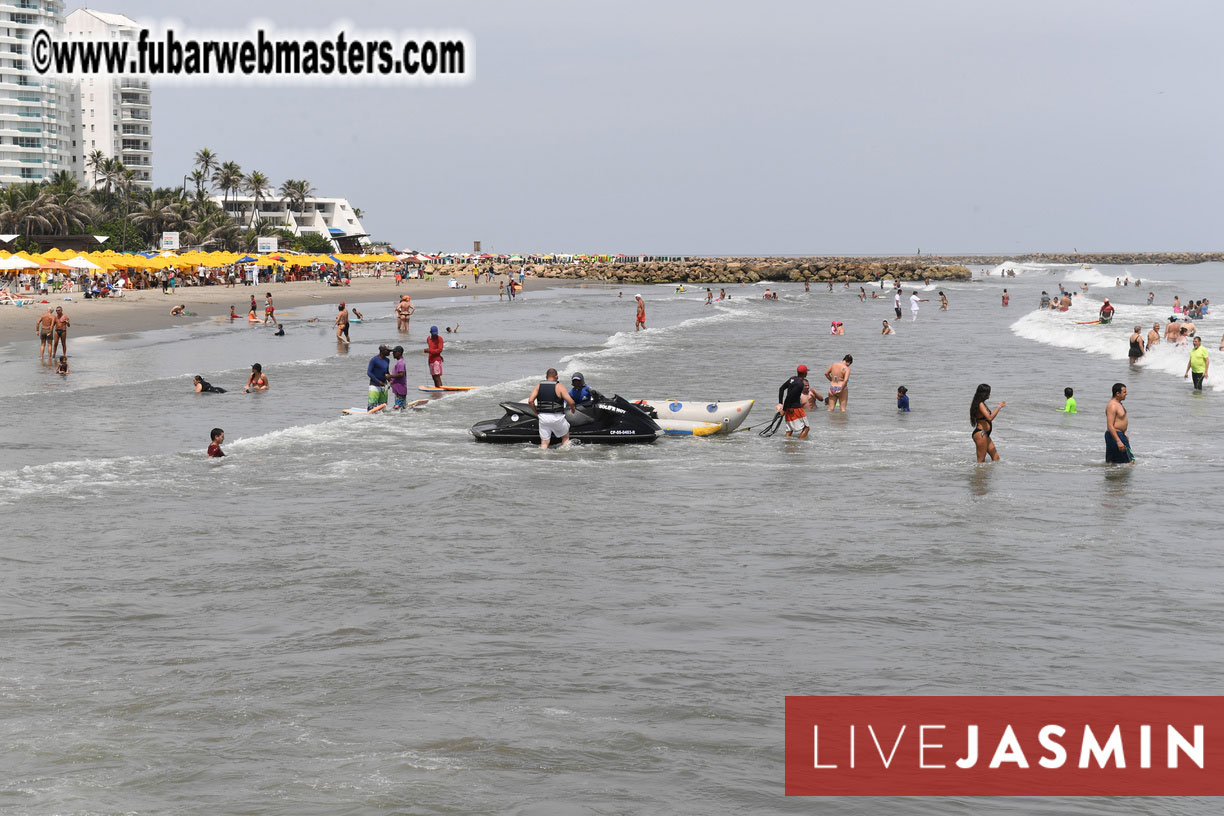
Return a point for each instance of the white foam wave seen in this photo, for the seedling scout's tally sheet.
(1008, 268)
(625, 343)
(1059, 329)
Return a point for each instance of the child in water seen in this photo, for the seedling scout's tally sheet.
(62, 368)
(903, 399)
(1069, 408)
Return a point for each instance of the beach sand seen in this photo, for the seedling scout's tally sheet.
(150, 309)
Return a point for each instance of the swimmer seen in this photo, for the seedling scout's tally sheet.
(838, 375)
(982, 419)
(903, 399)
(233, 314)
(214, 449)
(203, 386)
(280, 331)
(342, 324)
(887, 329)
(1117, 445)
(1069, 407)
(455, 330)
(1136, 345)
(258, 381)
(1153, 337)
(62, 369)
(943, 302)
(178, 310)
(836, 327)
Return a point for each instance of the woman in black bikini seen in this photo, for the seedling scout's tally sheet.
(982, 419)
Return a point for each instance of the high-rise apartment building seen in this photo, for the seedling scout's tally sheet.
(39, 135)
(116, 114)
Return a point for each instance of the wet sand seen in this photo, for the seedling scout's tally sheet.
(150, 309)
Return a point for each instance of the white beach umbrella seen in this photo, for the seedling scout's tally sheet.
(81, 263)
(17, 262)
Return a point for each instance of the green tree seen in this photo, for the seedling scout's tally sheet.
(312, 243)
(258, 185)
(206, 163)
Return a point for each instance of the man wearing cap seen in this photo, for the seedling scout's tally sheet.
(581, 392)
(433, 348)
(403, 312)
(790, 403)
(377, 372)
(399, 378)
(641, 314)
(1107, 311)
(549, 399)
(342, 325)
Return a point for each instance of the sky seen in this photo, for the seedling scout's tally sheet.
(733, 128)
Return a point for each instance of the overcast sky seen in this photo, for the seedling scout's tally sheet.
(747, 128)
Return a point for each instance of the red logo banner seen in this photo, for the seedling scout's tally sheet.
(1004, 746)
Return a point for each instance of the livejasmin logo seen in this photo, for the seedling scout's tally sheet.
(1009, 748)
(1019, 746)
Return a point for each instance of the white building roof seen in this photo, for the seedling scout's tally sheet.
(109, 18)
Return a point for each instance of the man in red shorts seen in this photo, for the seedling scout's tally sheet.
(790, 403)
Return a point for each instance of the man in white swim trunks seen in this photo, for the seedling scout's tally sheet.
(549, 400)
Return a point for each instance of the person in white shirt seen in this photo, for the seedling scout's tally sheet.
(914, 301)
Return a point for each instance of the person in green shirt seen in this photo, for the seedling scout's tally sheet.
(1198, 364)
(1069, 408)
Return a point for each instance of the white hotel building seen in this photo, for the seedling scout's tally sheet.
(116, 114)
(330, 217)
(39, 133)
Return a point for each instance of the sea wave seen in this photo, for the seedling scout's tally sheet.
(1060, 329)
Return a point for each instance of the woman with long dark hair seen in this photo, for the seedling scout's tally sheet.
(982, 419)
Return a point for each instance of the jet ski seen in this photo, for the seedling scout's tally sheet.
(606, 419)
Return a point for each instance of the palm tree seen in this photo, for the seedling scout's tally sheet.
(258, 186)
(199, 178)
(358, 213)
(161, 210)
(126, 181)
(68, 207)
(206, 162)
(94, 162)
(295, 192)
(112, 173)
(26, 208)
(228, 179)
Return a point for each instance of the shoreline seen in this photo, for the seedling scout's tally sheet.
(149, 309)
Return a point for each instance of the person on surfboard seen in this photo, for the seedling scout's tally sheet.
(433, 352)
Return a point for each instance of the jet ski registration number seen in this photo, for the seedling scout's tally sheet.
(622, 432)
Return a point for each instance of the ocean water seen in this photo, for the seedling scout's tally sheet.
(360, 615)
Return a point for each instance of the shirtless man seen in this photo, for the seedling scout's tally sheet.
(1188, 327)
(640, 322)
(887, 329)
(1153, 336)
(60, 332)
(1065, 303)
(1117, 446)
(403, 313)
(1172, 331)
(838, 375)
(809, 398)
(342, 324)
(43, 327)
(1136, 345)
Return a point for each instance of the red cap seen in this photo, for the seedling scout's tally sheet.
(801, 369)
